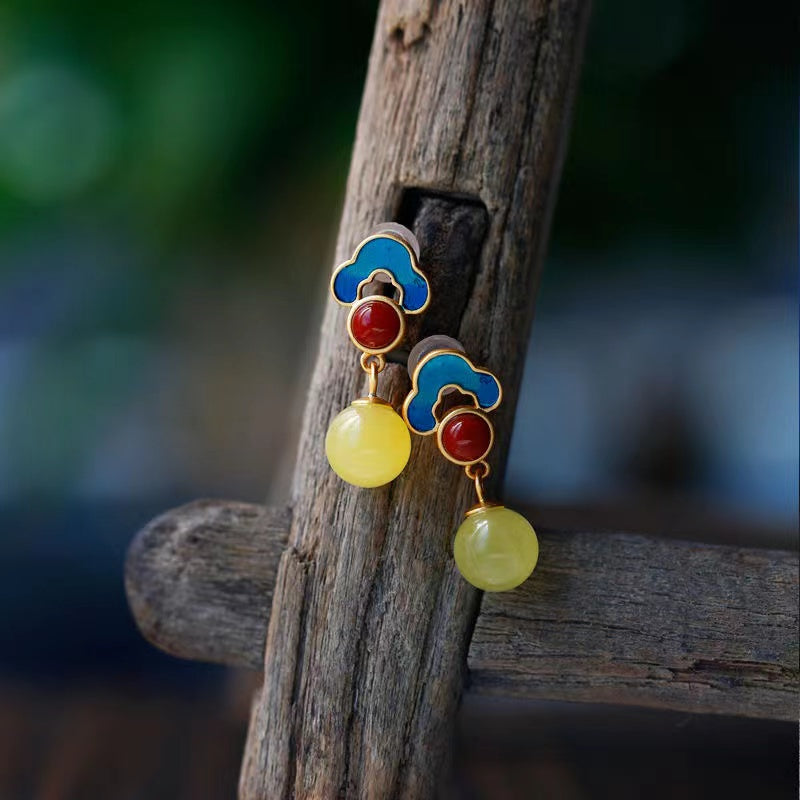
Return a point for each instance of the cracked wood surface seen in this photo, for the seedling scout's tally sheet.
(370, 623)
(619, 618)
(199, 580)
(613, 618)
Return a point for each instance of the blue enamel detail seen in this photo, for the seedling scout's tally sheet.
(441, 370)
(389, 255)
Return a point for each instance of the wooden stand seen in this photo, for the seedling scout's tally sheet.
(350, 599)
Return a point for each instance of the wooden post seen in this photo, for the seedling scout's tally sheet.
(460, 137)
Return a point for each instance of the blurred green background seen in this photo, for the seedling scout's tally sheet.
(170, 182)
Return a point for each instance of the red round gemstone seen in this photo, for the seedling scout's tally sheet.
(375, 324)
(466, 437)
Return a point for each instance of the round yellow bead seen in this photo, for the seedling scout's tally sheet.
(368, 444)
(496, 549)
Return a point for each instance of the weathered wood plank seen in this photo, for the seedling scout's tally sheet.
(200, 578)
(611, 618)
(467, 101)
(630, 619)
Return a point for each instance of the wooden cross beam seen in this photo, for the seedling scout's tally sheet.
(350, 601)
(608, 617)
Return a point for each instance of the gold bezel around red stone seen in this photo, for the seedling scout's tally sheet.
(449, 417)
(400, 316)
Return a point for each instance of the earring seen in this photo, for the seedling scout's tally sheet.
(495, 548)
(368, 443)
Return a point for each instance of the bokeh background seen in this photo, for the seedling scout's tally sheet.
(170, 182)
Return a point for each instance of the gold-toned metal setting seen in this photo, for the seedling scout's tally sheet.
(381, 299)
(373, 364)
(454, 412)
(477, 475)
(372, 361)
(371, 400)
(375, 272)
(482, 507)
(373, 375)
(415, 389)
(473, 472)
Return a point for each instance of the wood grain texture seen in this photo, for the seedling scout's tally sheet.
(466, 101)
(630, 619)
(614, 618)
(199, 579)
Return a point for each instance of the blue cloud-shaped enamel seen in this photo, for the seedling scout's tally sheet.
(382, 253)
(447, 369)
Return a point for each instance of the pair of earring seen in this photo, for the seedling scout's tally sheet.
(368, 443)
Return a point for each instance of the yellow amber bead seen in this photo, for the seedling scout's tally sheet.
(495, 548)
(368, 444)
